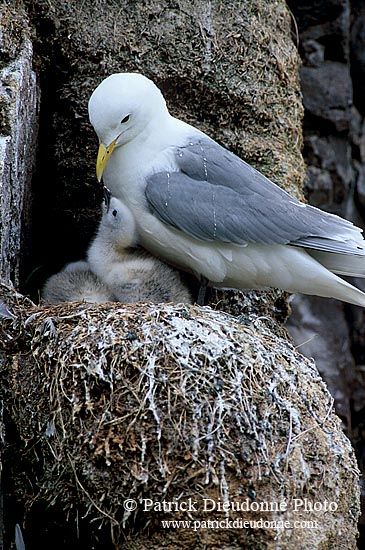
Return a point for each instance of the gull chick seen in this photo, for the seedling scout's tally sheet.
(76, 283)
(203, 209)
(131, 274)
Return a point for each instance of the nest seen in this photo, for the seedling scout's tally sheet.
(118, 402)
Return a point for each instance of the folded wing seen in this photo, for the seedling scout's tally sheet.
(216, 196)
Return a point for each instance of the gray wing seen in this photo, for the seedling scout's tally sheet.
(218, 196)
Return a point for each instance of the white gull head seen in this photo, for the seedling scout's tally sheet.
(122, 107)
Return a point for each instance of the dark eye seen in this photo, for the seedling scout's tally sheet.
(115, 213)
(125, 119)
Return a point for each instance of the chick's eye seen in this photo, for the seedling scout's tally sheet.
(125, 119)
(115, 213)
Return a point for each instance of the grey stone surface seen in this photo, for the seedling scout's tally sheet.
(332, 43)
(19, 98)
(327, 92)
(358, 54)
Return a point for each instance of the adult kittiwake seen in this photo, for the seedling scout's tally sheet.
(203, 209)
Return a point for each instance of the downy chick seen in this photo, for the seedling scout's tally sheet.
(76, 283)
(131, 274)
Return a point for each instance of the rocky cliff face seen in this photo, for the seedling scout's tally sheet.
(114, 402)
(332, 44)
(19, 101)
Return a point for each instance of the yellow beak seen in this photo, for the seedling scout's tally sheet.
(103, 157)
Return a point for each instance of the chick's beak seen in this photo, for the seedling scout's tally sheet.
(104, 154)
(107, 196)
